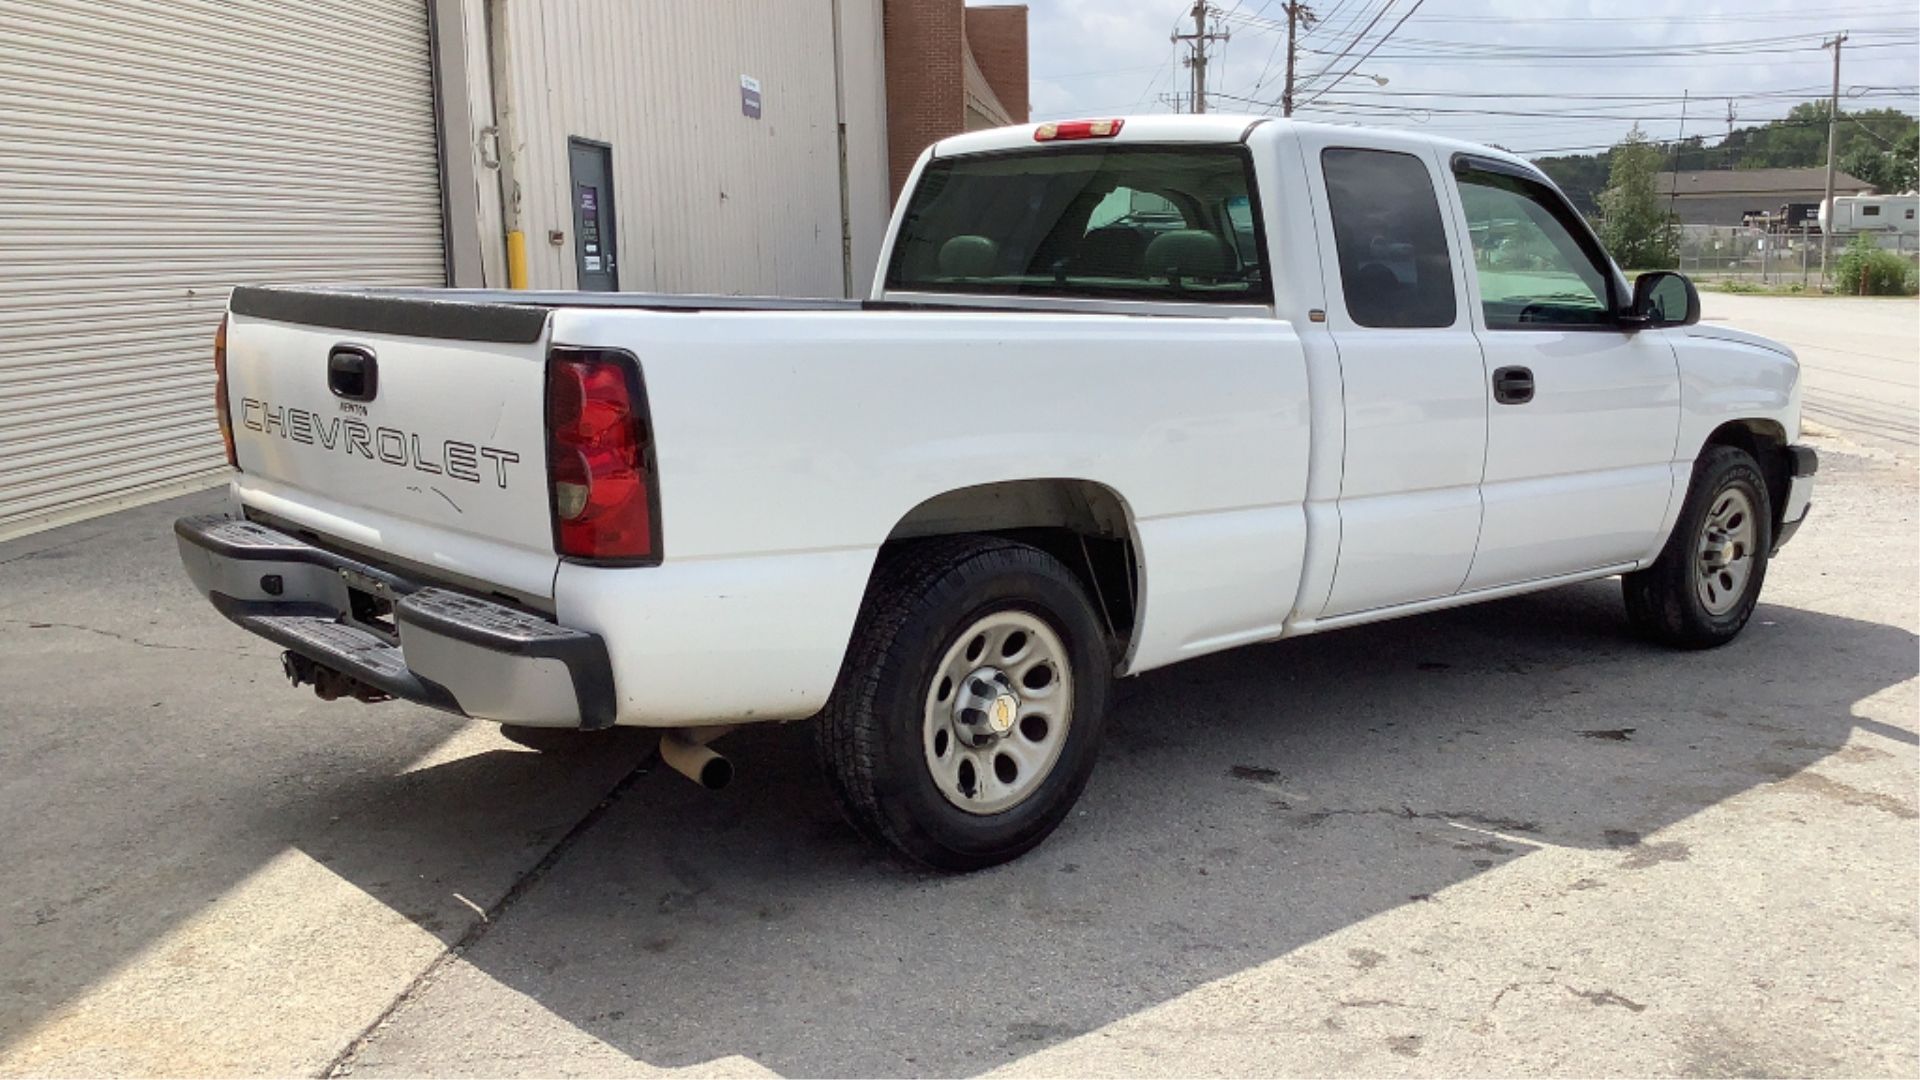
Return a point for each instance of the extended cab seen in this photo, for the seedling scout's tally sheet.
(1124, 393)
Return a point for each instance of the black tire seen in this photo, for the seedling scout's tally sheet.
(871, 736)
(1663, 602)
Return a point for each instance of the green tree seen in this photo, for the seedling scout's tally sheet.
(1889, 170)
(1634, 223)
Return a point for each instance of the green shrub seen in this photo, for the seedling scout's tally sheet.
(1865, 269)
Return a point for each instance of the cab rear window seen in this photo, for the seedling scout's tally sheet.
(1122, 222)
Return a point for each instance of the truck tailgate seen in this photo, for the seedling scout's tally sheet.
(381, 427)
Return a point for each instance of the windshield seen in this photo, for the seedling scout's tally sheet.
(1131, 222)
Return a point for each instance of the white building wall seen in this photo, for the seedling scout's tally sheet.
(705, 198)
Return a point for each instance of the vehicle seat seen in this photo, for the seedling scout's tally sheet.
(1112, 251)
(1188, 253)
(968, 256)
(1374, 296)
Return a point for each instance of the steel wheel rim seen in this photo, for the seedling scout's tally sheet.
(984, 759)
(1724, 561)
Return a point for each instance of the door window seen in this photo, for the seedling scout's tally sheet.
(1536, 268)
(1395, 270)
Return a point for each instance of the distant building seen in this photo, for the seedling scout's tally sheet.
(950, 68)
(1725, 196)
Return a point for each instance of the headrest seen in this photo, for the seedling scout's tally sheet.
(1188, 253)
(968, 256)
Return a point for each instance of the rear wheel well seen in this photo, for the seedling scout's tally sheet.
(1766, 442)
(1084, 524)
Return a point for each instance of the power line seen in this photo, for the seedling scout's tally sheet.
(1564, 64)
(1499, 55)
(1357, 38)
(1369, 53)
(1563, 95)
(1706, 17)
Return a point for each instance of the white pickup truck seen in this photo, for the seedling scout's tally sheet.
(1125, 392)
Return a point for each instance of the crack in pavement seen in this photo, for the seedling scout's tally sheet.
(1408, 813)
(343, 1062)
(37, 624)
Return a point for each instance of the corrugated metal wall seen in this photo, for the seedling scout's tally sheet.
(707, 200)
(153, 153)
(864, 87)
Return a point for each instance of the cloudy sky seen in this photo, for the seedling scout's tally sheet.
(1532, 75)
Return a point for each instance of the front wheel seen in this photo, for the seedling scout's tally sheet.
(968, 715)
(1702, 589)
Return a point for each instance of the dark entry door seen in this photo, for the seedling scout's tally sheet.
(593, 220)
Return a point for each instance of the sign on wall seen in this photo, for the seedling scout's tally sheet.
(750, 97)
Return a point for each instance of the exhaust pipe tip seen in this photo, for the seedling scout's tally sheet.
(695, 761)
(716, 773)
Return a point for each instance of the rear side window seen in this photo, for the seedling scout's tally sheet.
(1395, 270)
(1123, 222)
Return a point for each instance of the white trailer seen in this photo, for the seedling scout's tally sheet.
(1872, 213)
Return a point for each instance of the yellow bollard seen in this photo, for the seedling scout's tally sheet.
(516, 259)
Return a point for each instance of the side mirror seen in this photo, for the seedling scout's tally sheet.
(1664, 298)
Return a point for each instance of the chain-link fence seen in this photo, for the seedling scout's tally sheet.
(1762, 257)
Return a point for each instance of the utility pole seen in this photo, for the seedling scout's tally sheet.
(1299, 17)
(1731, 117)
(1833, 133)
(1673, 194)
(1197, 43)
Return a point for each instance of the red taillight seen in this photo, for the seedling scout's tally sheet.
(220, 391)
(600, 458)
(1064, 130)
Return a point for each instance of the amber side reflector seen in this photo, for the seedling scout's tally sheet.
(1067, 130)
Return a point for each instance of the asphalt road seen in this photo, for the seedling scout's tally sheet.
(1860, 356)
(1508, 839)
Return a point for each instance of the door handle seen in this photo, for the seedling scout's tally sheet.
(1513, 385)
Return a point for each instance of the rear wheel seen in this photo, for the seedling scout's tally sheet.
(1702, 589)
(968, 715)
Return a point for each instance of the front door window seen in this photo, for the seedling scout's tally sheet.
(1535, 269)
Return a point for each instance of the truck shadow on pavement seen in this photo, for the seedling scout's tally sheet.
(1246, 805)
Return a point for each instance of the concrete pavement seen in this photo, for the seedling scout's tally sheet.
(1507, 839)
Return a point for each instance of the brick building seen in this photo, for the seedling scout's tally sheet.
(950, 68)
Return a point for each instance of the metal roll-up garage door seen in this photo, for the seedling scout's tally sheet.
(155, 153)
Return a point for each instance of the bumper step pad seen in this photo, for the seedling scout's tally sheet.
(349, 649)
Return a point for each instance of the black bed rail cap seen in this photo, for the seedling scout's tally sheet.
(429, 313)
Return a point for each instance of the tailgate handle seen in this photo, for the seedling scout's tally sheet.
(353, 373)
